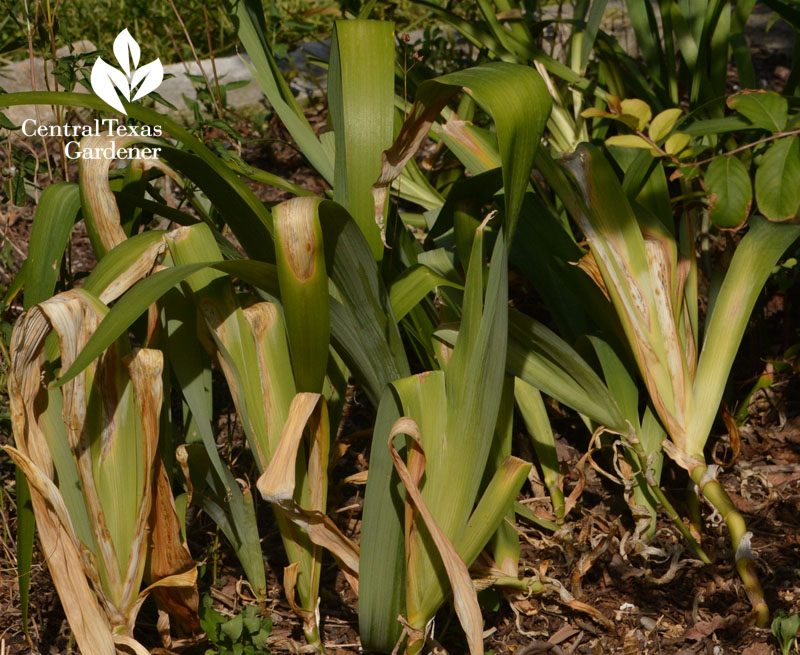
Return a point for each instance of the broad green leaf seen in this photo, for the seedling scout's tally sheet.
(479, 354)
(232, 628)
(716, 126)
(778, 180)
(785, 627)
(744, 60)
(765, 109)
(361, 105)
(544, 360)
(620, 382)
(752, 263)
(505, 542)
(52, 223)
(382, 544)
(587, 38)
(192, 368)
(412, 286)
(493, 507)
(363, 328)
(26, 529)
(730, 192)
(215, 488)
(534, 414)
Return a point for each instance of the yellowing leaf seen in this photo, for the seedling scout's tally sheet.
(663, 123)
(628, 141)
(596, 112)
(638, 108)
(676, 143)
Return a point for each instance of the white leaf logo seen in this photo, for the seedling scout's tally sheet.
(107, 81)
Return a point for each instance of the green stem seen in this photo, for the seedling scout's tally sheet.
(658, 492)
(414, 644)
(676, 518)
(719, 498)
(693, 507)
(557, 498)
(312, 638)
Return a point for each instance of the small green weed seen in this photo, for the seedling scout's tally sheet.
(785, 627)
(244, 634)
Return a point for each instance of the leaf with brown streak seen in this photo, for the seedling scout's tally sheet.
(86, 616)
(114, 400)
(101, 213)
(277, 483)
(464, 596)
(430, 101)
(169, 555)
(588, 264)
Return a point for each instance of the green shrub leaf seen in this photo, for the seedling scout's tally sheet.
(730, 191)
(765, 109)
(778, 180)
